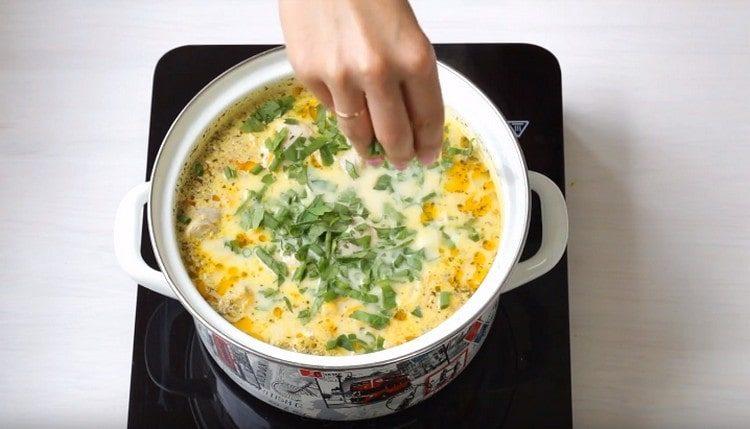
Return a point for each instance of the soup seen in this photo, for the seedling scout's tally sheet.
(293, 239)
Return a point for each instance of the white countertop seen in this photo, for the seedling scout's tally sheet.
(657, 129)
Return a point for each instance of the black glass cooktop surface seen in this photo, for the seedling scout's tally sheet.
(520, 377)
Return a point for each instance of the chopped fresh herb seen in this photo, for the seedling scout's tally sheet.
(274, 145)
(198, 169)
(452, 151)
(468, 226)
(252, 124)
(389, 296)
(233, 246)
(304, 315)
(417, 312)
(277, 267)
(326, 156)
(315, 144)
(445, 300)
(269, 221)
(266, 113)
(341, 341)
(236, 248)
(364, 297)
(257, 168)
(447, 239)
(352, 170)
(250, 212)
(376, 149)
(269, 292)
(379, 341)
(288, 303)
(256, 216)
(337, 245)
(275, 162)
(352, 343)
(230, 173)
(377, 321)
(429, 196)
(292, 153)
(268, 179)
(348, 342)
(298, 172)
(299, 273)
(183, 219)
(383, 183)
(291, 121)
(390, 213)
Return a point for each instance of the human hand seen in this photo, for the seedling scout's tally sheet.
(370, 62)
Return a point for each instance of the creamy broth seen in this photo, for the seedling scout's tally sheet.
(297, 242)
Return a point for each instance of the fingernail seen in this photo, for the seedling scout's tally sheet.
(427, 158)
(375, 162)
(400, 165)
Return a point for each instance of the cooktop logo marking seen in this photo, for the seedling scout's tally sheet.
(518, 127)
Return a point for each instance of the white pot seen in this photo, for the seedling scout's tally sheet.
(346, 387)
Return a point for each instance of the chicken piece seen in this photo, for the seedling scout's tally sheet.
(204, 221)
(297, 130)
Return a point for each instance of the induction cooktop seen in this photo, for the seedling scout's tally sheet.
(519, 378)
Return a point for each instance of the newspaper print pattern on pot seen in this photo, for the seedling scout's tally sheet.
(350, 394)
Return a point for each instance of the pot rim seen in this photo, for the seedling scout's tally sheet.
(390, 355)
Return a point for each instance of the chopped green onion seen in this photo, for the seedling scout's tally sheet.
(304, 315)
(445, 300)
(299, 273)
(198, 169)
(230, 173)
(276, 162)
(268, 179)
(182, 218)
(417, 312)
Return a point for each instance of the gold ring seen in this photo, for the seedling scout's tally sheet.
(343, 115)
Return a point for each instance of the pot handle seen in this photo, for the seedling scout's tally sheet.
(554, 232)
(128, 223)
